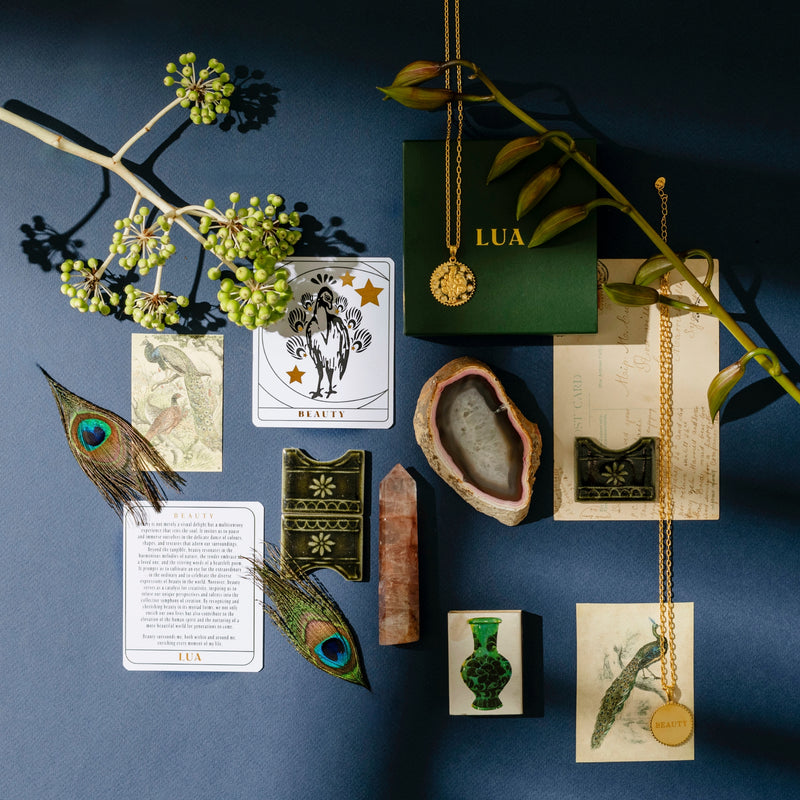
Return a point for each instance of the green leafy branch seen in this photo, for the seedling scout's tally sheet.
(249, 239)
(407, 90)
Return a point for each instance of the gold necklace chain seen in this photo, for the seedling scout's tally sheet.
(453, 244)
(671, 724)
(453, 283)
(669, 673)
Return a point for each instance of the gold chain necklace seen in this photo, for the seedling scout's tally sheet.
(453, 283)
(672, 723)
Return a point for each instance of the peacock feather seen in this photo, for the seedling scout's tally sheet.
(308, 616)
(114, 455)
(619, 691)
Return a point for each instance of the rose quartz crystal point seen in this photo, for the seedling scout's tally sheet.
(398, 582)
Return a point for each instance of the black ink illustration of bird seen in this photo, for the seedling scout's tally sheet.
(329, 332)
(175, 364)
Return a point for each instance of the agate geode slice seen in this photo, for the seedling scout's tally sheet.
(476, 439)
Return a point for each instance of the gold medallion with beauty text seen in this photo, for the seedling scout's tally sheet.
(672, 724)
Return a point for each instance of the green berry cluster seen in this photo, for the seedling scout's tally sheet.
(81, 282)
(258, 299)
(141, 245)
(205, 92)
(257, 294)
(259, 234)
(250, 239)
(153, 310)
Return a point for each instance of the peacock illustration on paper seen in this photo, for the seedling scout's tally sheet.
(114, 456)
(177, 365)
(307, 615)
(617, 694)
(328, 332)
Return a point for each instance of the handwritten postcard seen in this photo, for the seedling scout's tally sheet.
(605, 387)
(330, 361)
(176, 398)
(188, 603)
(619, 681)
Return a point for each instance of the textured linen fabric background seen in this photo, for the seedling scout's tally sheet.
(704, 94)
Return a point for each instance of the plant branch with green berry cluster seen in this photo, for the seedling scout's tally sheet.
(249, 239)
(407, 89)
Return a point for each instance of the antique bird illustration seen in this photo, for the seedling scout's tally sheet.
(619, 691)
(114, 456)
(307, 616)
(167, 420)
(176, 364)
(329, 332)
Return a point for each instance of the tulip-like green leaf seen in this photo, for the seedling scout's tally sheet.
(652, 270)
(536, 188)
(474, 98)
(416, 97)
(629, 294)
(558, 222)
(512, 153)
(721, 385)
(428, 99)
(709, 260)
(565, 218)
(418, 72)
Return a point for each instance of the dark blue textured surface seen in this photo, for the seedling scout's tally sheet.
(699, 92)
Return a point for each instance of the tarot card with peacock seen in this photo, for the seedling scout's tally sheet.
(330, 362)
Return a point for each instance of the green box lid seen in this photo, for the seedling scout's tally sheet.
(548, 289)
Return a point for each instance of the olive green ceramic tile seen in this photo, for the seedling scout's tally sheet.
(322, 512)
(611, 475)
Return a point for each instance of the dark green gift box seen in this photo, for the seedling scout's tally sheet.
(519, 290)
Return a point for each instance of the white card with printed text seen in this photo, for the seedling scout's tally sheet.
(188, 602)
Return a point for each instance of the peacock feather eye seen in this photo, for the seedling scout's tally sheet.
(327, 642)
(96, 436)
(92, 432)
(334, 651)
(308, 616)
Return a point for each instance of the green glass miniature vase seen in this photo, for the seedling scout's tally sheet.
(485, 671)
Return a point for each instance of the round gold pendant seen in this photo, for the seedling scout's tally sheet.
(672, 724)
(452, 283)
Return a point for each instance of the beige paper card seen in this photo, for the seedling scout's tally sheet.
(176, 398)
(615, 643)
(605, 386)
(494, 687)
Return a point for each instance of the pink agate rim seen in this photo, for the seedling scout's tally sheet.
(445, 456)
